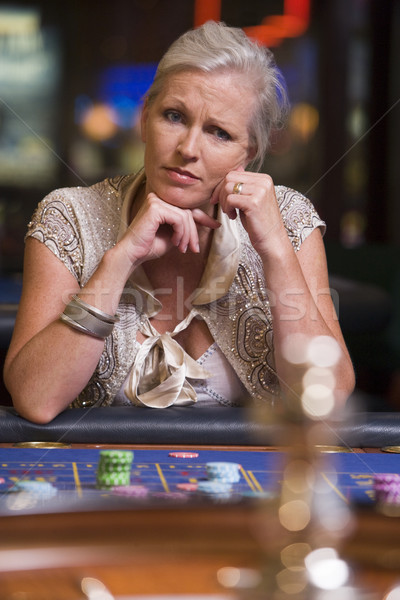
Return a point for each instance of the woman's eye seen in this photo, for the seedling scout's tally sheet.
(173, 116)
(221, 134)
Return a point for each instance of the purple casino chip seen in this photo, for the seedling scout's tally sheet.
(387, 488)
(387, 478)
(388, 497)
(131, 491)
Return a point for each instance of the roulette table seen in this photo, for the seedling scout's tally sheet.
(173, 542)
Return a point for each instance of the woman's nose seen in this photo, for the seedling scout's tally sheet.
(189, 143)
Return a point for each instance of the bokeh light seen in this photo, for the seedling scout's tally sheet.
(319, 375)
(292, 581)
(233, 577)
(317, 401)
(323, 351)
(94, 589)
(298, 476)
(345, 593)
(293, 555)
(294, 348)
(100, 122)
(294, 515)
(325, 569)
(335, 517)
(303, 121)
(394, 594)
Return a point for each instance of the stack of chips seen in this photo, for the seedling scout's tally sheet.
(221, 476)
(387, 488)
(41, 490)
(225, 472)
(114, 469)
(217, 490)
(131, 491)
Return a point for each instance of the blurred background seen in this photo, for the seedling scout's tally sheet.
(72, 76)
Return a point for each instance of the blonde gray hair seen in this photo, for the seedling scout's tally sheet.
(215, 46)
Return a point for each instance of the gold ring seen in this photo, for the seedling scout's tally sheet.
(237, 188)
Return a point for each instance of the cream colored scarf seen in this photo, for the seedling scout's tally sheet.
(158, 377)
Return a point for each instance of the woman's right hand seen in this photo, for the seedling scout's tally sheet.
(158, 226)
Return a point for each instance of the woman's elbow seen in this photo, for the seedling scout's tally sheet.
(33, 411)
(27, 405)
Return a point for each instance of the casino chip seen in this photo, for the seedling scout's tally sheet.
(131, 491)
(216, 490)
(387, 488)
(39, 489)
(114, 469)
(258, 495)
(187, 487)
(184, 454)
(118, 457)
(213, 487)
(226, 472)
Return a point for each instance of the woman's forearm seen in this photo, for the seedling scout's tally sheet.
(48, 371)
(303, 307)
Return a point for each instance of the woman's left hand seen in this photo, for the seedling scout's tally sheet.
(257, 205)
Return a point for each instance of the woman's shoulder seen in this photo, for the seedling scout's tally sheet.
(80, 205)
(70, 219)
(299, 214)
(287, 196)
(109, 190)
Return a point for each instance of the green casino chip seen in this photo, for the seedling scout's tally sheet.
(113, 468)
(109, 480)
(117, 455)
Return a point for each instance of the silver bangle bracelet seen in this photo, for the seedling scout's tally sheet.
(86, 323)
(96, 312)
(76, 326)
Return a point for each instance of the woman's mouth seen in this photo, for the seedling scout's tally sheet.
(181, 176)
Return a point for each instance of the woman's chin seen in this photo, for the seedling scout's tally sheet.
(185, 200)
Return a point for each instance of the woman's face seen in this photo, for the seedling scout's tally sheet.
(196, 131)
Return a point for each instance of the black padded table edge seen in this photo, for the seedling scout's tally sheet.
(189, 426)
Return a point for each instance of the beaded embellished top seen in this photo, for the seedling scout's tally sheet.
(80, 224)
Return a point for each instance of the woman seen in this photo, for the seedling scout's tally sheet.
(171, 283)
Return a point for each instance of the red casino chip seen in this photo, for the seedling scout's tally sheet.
(187, 487)
(184, 454)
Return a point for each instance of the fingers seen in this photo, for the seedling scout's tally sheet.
(185, 229)
(233, 183)
(243, 189)
(156, 218)
(202, 218)
(184, 232)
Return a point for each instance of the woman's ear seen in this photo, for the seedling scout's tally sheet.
(143, 121)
